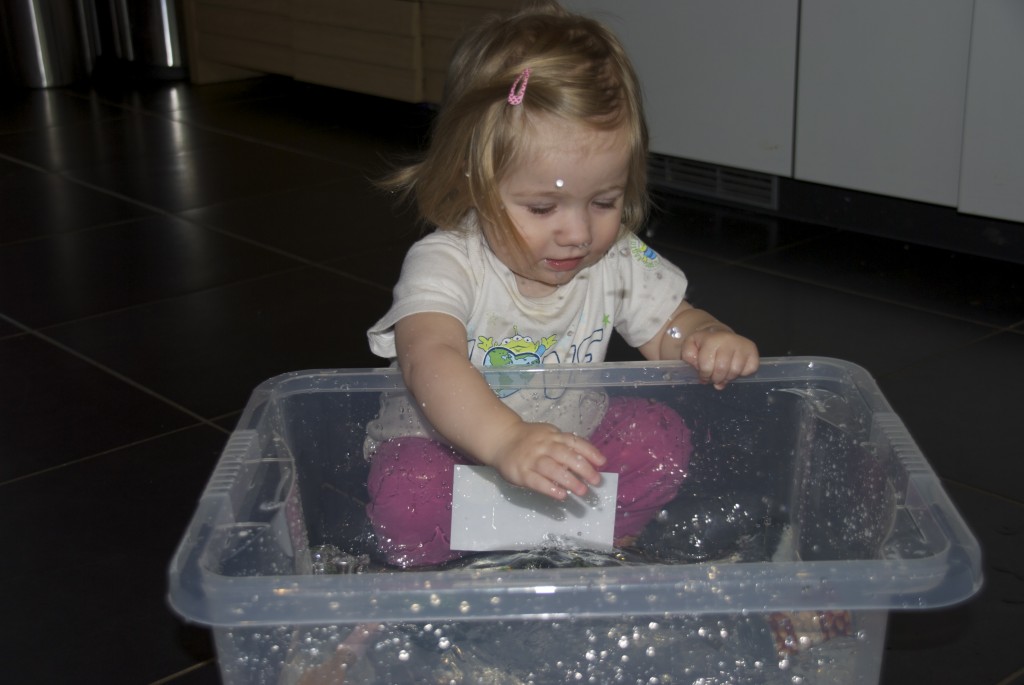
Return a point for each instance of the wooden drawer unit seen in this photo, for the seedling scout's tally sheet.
(444, 21)
(225, 35)
(392, 48)
(369, 46)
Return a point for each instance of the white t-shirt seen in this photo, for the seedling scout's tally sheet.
(631, 289)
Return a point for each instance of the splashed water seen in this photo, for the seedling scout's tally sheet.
(709, 649)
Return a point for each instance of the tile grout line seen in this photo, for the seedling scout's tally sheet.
(742, 263)
(75, 232)
(169, 115)
(213, 229)
(982, 491)
(281, 147)
(158, 300)
(106, 369)
(185, 671)
(992, 333)
(996, 328)
(1013, 678)
(102, 453)
(70, 178)
(745, 263)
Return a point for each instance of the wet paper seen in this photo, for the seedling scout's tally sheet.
(490, 514)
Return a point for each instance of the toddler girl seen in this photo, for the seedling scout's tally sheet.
(535, 180)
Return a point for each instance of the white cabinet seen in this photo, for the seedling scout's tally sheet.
(718, 76)
(882, 87)
(992, 170)
(914, 99)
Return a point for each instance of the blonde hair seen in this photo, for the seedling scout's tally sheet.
(579, 73)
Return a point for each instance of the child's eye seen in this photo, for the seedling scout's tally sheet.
(541, 210)
(606, 204)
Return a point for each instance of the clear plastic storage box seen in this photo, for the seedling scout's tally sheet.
(808, 513)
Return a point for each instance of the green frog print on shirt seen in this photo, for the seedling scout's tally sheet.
(516, 350)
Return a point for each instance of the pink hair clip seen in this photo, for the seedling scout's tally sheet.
(515, 96)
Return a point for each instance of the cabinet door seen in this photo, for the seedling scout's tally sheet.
(718, 76)
(881, 95)
(992, 176)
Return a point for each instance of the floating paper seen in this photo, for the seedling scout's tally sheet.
(490, 514)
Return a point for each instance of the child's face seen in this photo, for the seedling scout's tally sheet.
(565, 197)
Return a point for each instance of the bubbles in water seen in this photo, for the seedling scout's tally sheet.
(711, 650)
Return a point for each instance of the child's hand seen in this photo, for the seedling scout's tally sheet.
(719, 355)
(542, 458)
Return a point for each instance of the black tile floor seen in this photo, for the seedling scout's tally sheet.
(166, 247)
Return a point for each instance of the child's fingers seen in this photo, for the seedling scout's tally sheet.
(713, 364)
(690, 352)
(704, 356)
(539, 483)
(584, 449)
(571, 465)
(561, 478)
(551, 462)
(720, 357)
(752, 364)
(740, 363)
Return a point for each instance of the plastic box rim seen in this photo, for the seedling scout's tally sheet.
(948, 577)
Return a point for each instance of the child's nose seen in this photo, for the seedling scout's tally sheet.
(575, 230)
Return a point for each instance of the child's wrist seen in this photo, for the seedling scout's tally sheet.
(689, 322)
(713, 327)
(500, 439)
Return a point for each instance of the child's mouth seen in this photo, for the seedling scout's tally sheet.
(563, 264)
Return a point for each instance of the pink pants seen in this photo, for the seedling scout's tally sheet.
(410, 480)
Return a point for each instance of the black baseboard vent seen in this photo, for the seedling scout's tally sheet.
(749, 188)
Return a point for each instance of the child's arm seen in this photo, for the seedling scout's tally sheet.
(715, 350)
(457, 401)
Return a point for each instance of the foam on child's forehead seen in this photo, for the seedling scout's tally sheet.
(570, 159)
(547, 135)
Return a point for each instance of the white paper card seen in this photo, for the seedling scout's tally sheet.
(490, 514)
